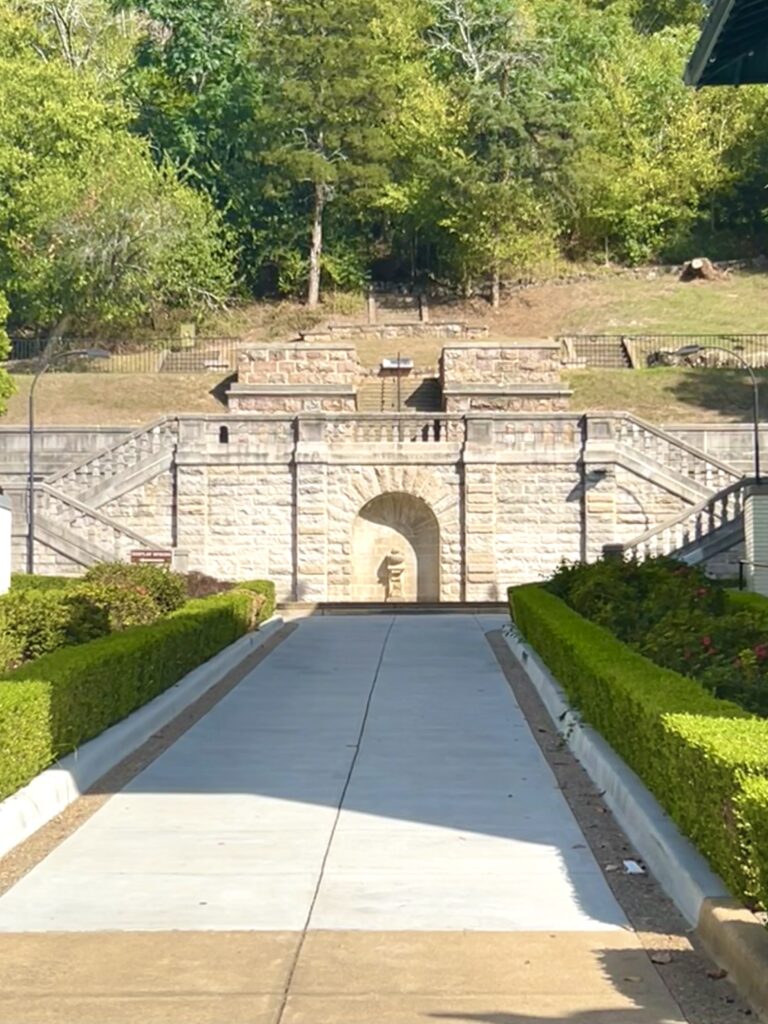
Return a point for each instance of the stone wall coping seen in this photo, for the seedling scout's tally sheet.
(714, 428)
(46, 428)
(514, 390)
(291, 390)
(299, 346)
(521, 343)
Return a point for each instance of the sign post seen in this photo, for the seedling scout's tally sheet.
(146, 556)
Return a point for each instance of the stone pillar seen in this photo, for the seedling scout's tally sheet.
(190, 530)
(480, 582)
(756, 536)
(5, 544)
(311, 505)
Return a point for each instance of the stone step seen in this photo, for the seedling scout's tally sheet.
(611, 354)
(417, 394)
(394, 607)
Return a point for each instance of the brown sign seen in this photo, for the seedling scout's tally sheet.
(145, 556)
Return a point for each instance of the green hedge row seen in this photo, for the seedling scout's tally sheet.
(23, 581)
(266, 590)
(705, 759)
(52, 705)
(746, 600)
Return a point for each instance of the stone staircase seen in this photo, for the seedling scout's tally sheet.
(144, 450)
(655, 455)
(417, 394)
(608, 354)
(713, 526)
(68, 519)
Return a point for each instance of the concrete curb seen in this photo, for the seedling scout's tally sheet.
(733, 936)
(56, 788)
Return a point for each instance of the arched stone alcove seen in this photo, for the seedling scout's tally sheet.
(402, 523)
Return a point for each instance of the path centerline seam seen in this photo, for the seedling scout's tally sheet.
(334, 827)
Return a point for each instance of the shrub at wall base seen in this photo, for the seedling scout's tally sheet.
(705, 759)
(51, 706)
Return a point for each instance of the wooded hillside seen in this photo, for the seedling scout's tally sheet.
(161, 155)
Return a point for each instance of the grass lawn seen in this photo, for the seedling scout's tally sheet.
(667, 395)
(119, 399)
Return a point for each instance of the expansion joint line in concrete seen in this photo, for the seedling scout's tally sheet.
(326, 854)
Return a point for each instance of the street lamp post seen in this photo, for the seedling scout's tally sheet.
(692, 350)
(47, 360)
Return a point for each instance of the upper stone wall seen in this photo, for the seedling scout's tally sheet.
(296, 377)
(524, 377)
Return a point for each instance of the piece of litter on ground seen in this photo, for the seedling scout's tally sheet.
(717, 974)
(632, 867)
(611, 867)
(663, 956)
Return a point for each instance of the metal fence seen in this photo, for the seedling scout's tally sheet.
(158, 355)
(625, 352)
(220, 356)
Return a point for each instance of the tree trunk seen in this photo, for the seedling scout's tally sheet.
(316, 247)
(700, 269)
(495, 288)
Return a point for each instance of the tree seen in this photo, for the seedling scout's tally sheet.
(334, 77)
(497, 65)
(652, 149)
(90, 229)
(7, 386)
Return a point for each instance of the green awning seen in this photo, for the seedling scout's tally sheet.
(733, 48)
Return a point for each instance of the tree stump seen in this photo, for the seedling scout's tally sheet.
(700, 269)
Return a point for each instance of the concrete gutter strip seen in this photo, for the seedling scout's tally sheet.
(56, 788)
(733, 936)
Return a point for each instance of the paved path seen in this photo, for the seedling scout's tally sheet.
(363, 830)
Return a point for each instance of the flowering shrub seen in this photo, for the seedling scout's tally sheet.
(680, 619)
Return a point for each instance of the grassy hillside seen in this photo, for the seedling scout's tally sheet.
(612, 304)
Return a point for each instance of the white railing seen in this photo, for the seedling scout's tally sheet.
(402, 428)
(690, 527)
(109, 463)
(673, 454)
(97, 529)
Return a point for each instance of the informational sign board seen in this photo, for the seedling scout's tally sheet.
(145, 556)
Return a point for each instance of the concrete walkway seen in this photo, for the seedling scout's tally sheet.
(363, 830)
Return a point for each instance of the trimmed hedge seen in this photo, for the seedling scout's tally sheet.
(752, 808)
(25, 581)
(746, 600)
(696, 753)
(265, 589)
(51, 706)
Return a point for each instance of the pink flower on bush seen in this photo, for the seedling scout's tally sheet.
(706, 641)
(761, 651)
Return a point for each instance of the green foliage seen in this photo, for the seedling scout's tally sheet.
(123, 606)
(53, 705)
(752, 814)
(167, 589)
(36, 622)
(679, 618)
(23, 581)
(91, 231)
(7, 387)
(161, 155)
(266, 591)
(694, 751)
